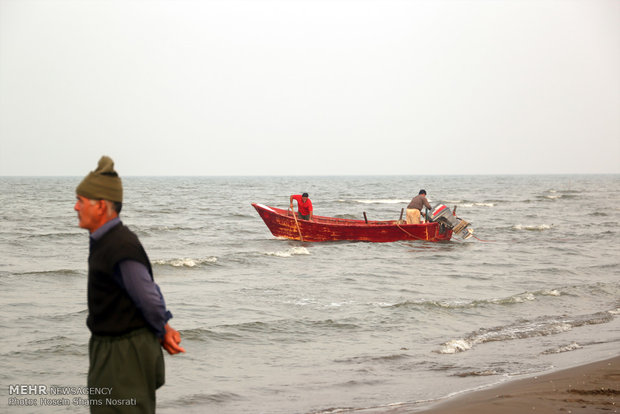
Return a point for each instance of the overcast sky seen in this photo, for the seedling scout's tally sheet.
(310, 87)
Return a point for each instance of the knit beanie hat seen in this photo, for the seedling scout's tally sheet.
(103, 183)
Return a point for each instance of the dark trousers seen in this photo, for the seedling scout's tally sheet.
(125, 371)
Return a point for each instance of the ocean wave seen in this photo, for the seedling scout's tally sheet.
(57, 346)
(456, 345)
(476, 204)
(206, 399)
(338, 304)
(65, 350)
(292, 330)
(186, 262)
(317, 304)
(540, 227)
(477, 373)
(62, 317)
(543, 326)
(58, 272)
(162, 228)
(72, 350)
(201, 334)
(371, 358)
(52, 235)
(57, 338)
(331, 324)
(599, 213)
(563, 348)
(514, 368)
(556, 196)
(293, 251)
(380, 201)
(358, 382)
(447, 304)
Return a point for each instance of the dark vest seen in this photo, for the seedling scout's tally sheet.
(110, 309)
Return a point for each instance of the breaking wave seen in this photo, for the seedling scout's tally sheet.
(543, 326)
(381, 201)
(555, 195)
(476, 205)
(564, 348)
(541, 227)
(186, 262)
(447, 304)
(293, 251)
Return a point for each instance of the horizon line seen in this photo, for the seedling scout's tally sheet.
(317, 175)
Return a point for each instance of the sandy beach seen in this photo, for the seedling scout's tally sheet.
(590, 388)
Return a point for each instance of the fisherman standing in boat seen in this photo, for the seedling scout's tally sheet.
(415, 207)
(127, 315)
(304, 206)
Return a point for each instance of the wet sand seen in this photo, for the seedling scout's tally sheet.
(590, 388)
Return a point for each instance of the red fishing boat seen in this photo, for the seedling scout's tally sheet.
(440, 227)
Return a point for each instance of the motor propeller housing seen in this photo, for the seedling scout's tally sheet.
(442, 214)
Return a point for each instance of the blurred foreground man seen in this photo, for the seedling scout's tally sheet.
(127, 314)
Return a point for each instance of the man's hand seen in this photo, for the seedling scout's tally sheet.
(171, 340)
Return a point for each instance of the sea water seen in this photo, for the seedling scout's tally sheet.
(279, 326)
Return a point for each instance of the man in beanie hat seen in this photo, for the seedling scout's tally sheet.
(127, 314)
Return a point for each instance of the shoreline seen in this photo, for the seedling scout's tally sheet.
(587, 388)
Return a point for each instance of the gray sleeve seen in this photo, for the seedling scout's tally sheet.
(144, 292)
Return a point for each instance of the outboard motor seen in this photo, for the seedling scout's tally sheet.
(442, 214)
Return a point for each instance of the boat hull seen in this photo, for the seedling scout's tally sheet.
(281, 223)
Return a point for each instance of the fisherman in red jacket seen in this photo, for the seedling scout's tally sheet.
(304, 206)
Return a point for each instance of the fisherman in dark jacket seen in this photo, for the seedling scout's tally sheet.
(415, 207)
(127, 315)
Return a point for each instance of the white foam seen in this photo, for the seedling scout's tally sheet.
(569, 347)
(476, 204)
(301, 302)
(520, 298)
(383, 304)
(540, 227)
(525, 297)
(454, 346)
(338, 304)
(513, 332)
(293, 251)
(185, 262)
(382, 201)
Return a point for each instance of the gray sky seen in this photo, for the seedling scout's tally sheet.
(314, 87)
